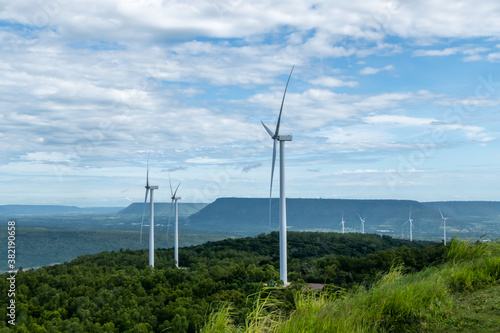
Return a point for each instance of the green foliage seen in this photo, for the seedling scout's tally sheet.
(119, 292)
(422, 301)
(37, 247)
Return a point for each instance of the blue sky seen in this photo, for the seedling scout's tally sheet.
(388, 99)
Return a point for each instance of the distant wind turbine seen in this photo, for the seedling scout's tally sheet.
(343, 223)
(150, 189)
(176, 229)
(410, 220)
(444, 226)
(362, 224)
(282, 139)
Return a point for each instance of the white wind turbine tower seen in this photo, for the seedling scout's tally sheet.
(444, 226)
(362, 224)
(343, 223)
(150, 189)
(282, 139)
(410, 220)
(175, 200)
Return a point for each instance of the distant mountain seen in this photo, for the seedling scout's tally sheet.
(467, 209)
(251, 215)
(162, 208)
(6, 210)
(303, 214)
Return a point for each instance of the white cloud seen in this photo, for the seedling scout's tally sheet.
(445, 52)
(94, 84)
(207, 160)
(371, 70)
(493, 57)
(398, 120)
(473, 133)
(475, 57)
(332, 82)
(471, 53)
(45, 157)
(364, 171)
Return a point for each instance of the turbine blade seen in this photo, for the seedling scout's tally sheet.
(272, 176)
(147, 173)
(267, 129)
(170, 183)
(442, 217)
(282, 102)
(144, 212)
(176, 190)
(170, 215)
(168, 230)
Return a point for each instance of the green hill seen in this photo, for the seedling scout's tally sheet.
(118, 292)
(372, 284)
(461, 295)
(467, 209)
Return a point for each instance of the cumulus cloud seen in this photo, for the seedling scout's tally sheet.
(91, 86)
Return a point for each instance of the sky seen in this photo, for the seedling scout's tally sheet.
(387, 100)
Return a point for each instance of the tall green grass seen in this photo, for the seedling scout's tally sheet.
(397, 303)
(220, 321)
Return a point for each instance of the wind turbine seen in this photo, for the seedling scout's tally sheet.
(444, 226)
(282, 139)
(410, 220)
(176, 229)
(362, 224)
(150, 189)
(343, 223)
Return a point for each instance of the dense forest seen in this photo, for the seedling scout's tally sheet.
(37, 247)
(119, 292)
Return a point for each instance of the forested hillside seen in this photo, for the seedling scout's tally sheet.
(37, 247)
(459, 295)
(467, 209)
(118, 292)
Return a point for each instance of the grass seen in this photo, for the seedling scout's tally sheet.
(448, 298)
(476, 311)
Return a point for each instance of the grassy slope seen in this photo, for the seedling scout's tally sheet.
(458, 296)
(476, 311)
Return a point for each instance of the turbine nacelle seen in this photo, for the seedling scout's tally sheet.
(284, 138)
(277, 136)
